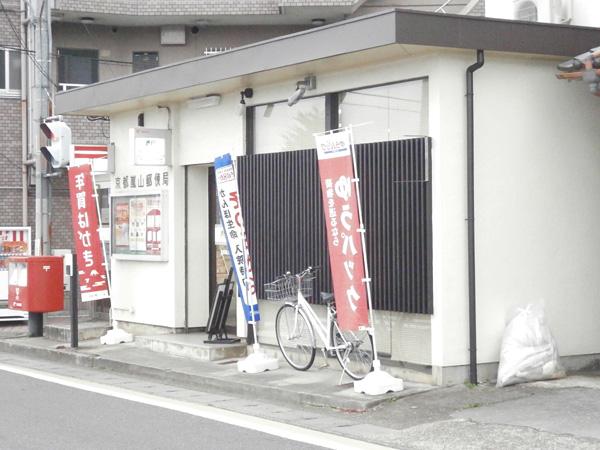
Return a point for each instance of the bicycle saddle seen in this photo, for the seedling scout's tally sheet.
(326, 297)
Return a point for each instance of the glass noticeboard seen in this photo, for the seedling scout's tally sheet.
(14, 241)
(139, 226)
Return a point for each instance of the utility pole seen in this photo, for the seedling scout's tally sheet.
(39, 40)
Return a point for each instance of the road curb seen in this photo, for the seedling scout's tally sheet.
(196, 381)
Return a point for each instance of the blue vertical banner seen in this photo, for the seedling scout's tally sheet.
(228, 198)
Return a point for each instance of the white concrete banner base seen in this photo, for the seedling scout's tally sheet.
(257, 362)
(378, 382)
(116, 336)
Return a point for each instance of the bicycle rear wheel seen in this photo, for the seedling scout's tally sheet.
(354, 351)
(295, 337)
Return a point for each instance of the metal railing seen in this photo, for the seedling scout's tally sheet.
(215, 50)
(465, 10)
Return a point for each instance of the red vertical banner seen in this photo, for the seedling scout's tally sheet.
(344, 241)
(90, 257)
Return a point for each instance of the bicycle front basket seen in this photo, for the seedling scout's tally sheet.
(283, 288)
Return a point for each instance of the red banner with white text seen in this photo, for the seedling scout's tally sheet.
(344, 240)
(90, 257)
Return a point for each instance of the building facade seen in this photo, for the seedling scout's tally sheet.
(100, 40)
(407, 91)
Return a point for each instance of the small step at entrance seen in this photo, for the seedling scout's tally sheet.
(191, 346)
(61, 331)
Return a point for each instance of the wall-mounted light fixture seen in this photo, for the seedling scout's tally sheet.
(308, 84)
(206, 101)
(246, 93)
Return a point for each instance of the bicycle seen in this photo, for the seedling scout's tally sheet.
(296, 323)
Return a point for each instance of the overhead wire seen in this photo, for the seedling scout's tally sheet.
(58, 55)
(23, 46)
(96, 41)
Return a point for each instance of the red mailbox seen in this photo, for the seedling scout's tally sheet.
(35, 283)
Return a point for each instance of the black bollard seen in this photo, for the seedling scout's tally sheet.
(74, 304)
(36, 324)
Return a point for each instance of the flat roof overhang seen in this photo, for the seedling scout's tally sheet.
(367, 39)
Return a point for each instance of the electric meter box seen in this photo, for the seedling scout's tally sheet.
(35, 283)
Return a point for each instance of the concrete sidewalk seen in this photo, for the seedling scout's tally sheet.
(558, 414)
(323, 387)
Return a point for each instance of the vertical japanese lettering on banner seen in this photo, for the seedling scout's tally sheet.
(228, 198)
(340, 206)
(90, 258)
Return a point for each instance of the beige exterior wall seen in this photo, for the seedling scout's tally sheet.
(537, 218)
(117, 44)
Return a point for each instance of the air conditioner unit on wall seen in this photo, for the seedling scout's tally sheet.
(549, 11)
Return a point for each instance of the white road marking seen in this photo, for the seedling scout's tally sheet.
(283, 430)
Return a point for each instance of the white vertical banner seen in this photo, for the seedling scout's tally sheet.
(233, 225)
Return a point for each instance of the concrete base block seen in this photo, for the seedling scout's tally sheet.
(378, 382)
(87, 330)
(488, 372)
(257, 362)
(116, 336)
(144, 329)
(191, 346)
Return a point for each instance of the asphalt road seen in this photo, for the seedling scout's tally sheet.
(36, 414)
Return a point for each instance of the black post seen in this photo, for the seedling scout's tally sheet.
(36, 324)
(74, 304)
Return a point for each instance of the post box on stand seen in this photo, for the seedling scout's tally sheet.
(35, 284)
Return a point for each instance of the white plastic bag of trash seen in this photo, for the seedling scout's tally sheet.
(529, 352)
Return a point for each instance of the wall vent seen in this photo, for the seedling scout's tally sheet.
(172, 35)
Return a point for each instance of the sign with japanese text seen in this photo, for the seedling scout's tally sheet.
(233, 225)
(148, 180)
(90, 258)
(343, 238)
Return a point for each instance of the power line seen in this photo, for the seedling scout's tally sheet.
(23, 46)
(58, 55)
(94, 39)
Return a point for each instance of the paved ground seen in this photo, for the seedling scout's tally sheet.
(559, 414)
(41, 415)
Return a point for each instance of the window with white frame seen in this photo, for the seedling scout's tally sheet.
(10, 71)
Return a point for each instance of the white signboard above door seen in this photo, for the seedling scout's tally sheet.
(152, 147)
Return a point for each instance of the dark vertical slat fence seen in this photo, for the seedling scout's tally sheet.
(281, 200)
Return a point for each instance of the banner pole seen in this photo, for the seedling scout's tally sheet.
(115, 335)
(362, 230)
(100, 237)
(228, 187)
(378, 381)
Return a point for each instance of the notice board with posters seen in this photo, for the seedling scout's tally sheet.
(14, 241)
(139, 226)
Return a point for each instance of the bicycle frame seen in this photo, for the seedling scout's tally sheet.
(323, 331)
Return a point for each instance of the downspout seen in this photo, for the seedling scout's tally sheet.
(24, 117)
(471, 220)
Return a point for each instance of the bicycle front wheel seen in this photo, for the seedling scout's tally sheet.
(354, 351)
(295, 337)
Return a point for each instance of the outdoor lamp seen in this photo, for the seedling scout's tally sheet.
(246, 93)
(308, 84)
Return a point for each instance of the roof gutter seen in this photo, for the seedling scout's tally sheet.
(471, 219)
